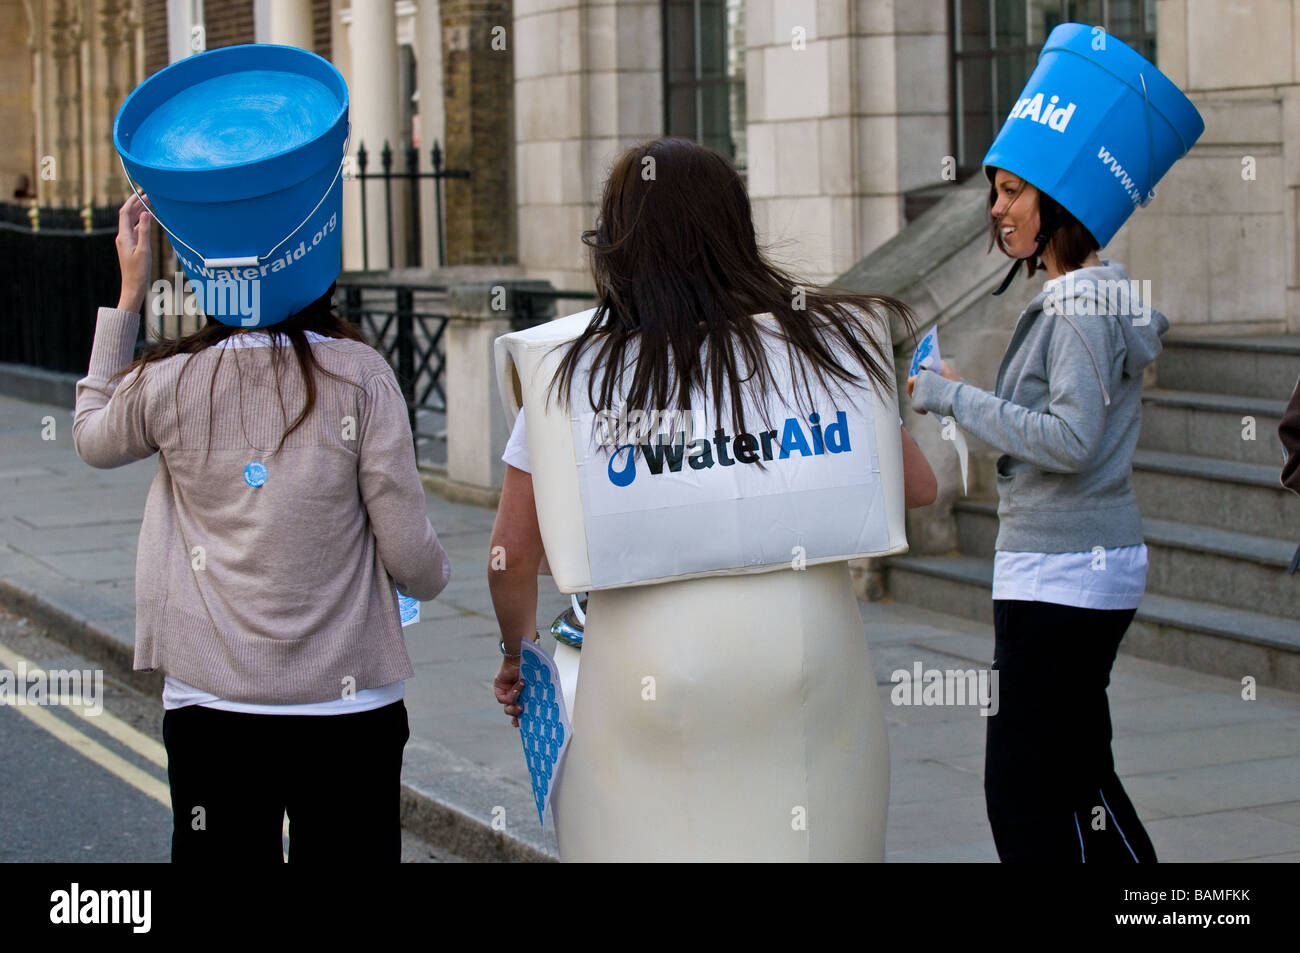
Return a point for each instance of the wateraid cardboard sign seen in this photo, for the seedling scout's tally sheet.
(683, 495)
(686, 503)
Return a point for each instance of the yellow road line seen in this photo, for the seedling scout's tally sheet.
(111, 725)
(139, 779)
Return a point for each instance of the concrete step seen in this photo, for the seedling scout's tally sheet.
(1211, 425)
(1224, 494)
(977, 527)
(1184, 561)
(1222, 567)
(1207, 638)
(1257, 366)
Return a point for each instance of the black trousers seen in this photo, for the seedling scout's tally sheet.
(234, 776)
(1049, 776)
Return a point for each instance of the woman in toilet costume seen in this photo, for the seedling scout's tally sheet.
(1070, 566)
(731, 715)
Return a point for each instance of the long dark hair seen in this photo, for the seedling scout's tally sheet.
(319, 316)
(677, 268)
(1068, 238)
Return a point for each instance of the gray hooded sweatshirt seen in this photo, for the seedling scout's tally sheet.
(1065, 412)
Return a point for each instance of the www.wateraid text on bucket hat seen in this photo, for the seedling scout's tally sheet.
(240, 151)
(1096, 127)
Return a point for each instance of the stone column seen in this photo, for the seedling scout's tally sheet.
(290, 22)
(478, 66)
(27, 160)
(479, 312)
(65, 36)
(588, 84)
(846, 105)
(428, 36)
(118, 35)
(375, 115)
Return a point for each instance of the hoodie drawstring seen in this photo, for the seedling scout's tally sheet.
(1104, 393)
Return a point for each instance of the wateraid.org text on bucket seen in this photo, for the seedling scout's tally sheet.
(225, 292)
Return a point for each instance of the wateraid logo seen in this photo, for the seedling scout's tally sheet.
(1052, 116)
(725, 450)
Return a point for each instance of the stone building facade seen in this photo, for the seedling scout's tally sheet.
(846, 116)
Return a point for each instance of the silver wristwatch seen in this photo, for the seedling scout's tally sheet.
(537, 637)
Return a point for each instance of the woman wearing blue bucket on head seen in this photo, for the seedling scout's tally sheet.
(287, 512)
(1095, 128)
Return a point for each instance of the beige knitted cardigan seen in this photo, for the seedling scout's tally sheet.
(280, 592)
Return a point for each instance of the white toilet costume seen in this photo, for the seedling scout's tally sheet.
(727, 706)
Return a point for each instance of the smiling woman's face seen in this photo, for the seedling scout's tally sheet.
(1016, 215)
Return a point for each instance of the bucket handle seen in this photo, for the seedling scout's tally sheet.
(1151, 152)
(250, 261)
(1150, 192)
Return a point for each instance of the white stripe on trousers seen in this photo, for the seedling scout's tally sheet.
(1117, 827)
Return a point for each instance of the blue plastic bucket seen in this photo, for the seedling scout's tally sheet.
(239, 151)
(1096, 128)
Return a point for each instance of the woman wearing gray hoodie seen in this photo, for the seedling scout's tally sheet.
(1070, 564)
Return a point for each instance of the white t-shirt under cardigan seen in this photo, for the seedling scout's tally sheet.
(1116, 581)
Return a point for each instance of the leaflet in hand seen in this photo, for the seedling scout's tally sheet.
(409, 607)
(963, 452)
(927, 354)
(544, 724)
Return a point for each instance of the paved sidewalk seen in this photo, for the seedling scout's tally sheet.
(1214, 777)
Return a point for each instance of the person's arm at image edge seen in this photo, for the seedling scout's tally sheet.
(1288, 431)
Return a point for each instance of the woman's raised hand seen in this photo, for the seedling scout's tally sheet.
(134, 254)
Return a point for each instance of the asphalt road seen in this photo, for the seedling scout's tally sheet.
(90, 787)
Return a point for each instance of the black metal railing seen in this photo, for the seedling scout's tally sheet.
(409, 337)
(407, 323)
(412, 176)
(537, 307)
(81, 218)
(55, 279)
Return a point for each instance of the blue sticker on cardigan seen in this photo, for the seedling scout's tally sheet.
(543, 725)
(255, 474)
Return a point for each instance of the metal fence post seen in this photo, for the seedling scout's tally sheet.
(413, 194)
(437, 202)
(352, 304)
(386, 160)
(361, 176)
(406, 350)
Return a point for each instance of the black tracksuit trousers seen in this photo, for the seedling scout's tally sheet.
(1049, 777)
(234, 776)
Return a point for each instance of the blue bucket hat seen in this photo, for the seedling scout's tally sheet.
(240, 151)
(1096, 127)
